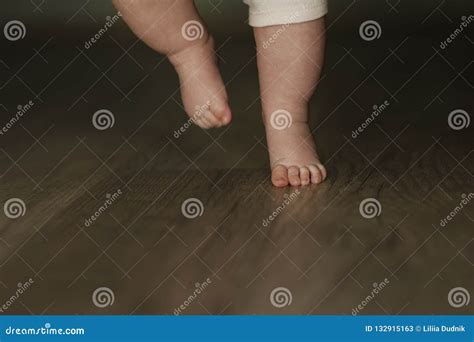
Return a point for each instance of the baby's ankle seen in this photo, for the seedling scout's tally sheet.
(284, 116)
(193, 54)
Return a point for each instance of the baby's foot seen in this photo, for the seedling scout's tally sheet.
(202, 89)
(293, 156)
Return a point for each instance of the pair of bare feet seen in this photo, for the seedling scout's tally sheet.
(289, 61)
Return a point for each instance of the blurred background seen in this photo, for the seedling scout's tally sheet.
(400, 17)
(52, 65)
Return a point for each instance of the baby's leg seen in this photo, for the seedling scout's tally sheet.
(290, 58)
(174, 28)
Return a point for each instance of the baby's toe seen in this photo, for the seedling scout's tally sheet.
(321, 168)
(211, 119)
(294, 176)
(280, 176)
(305, 176)
(221, 112)
(316, 176)
(202, 122)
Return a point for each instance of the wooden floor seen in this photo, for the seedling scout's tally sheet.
(318, 246)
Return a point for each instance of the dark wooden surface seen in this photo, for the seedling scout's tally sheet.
(319, 246)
